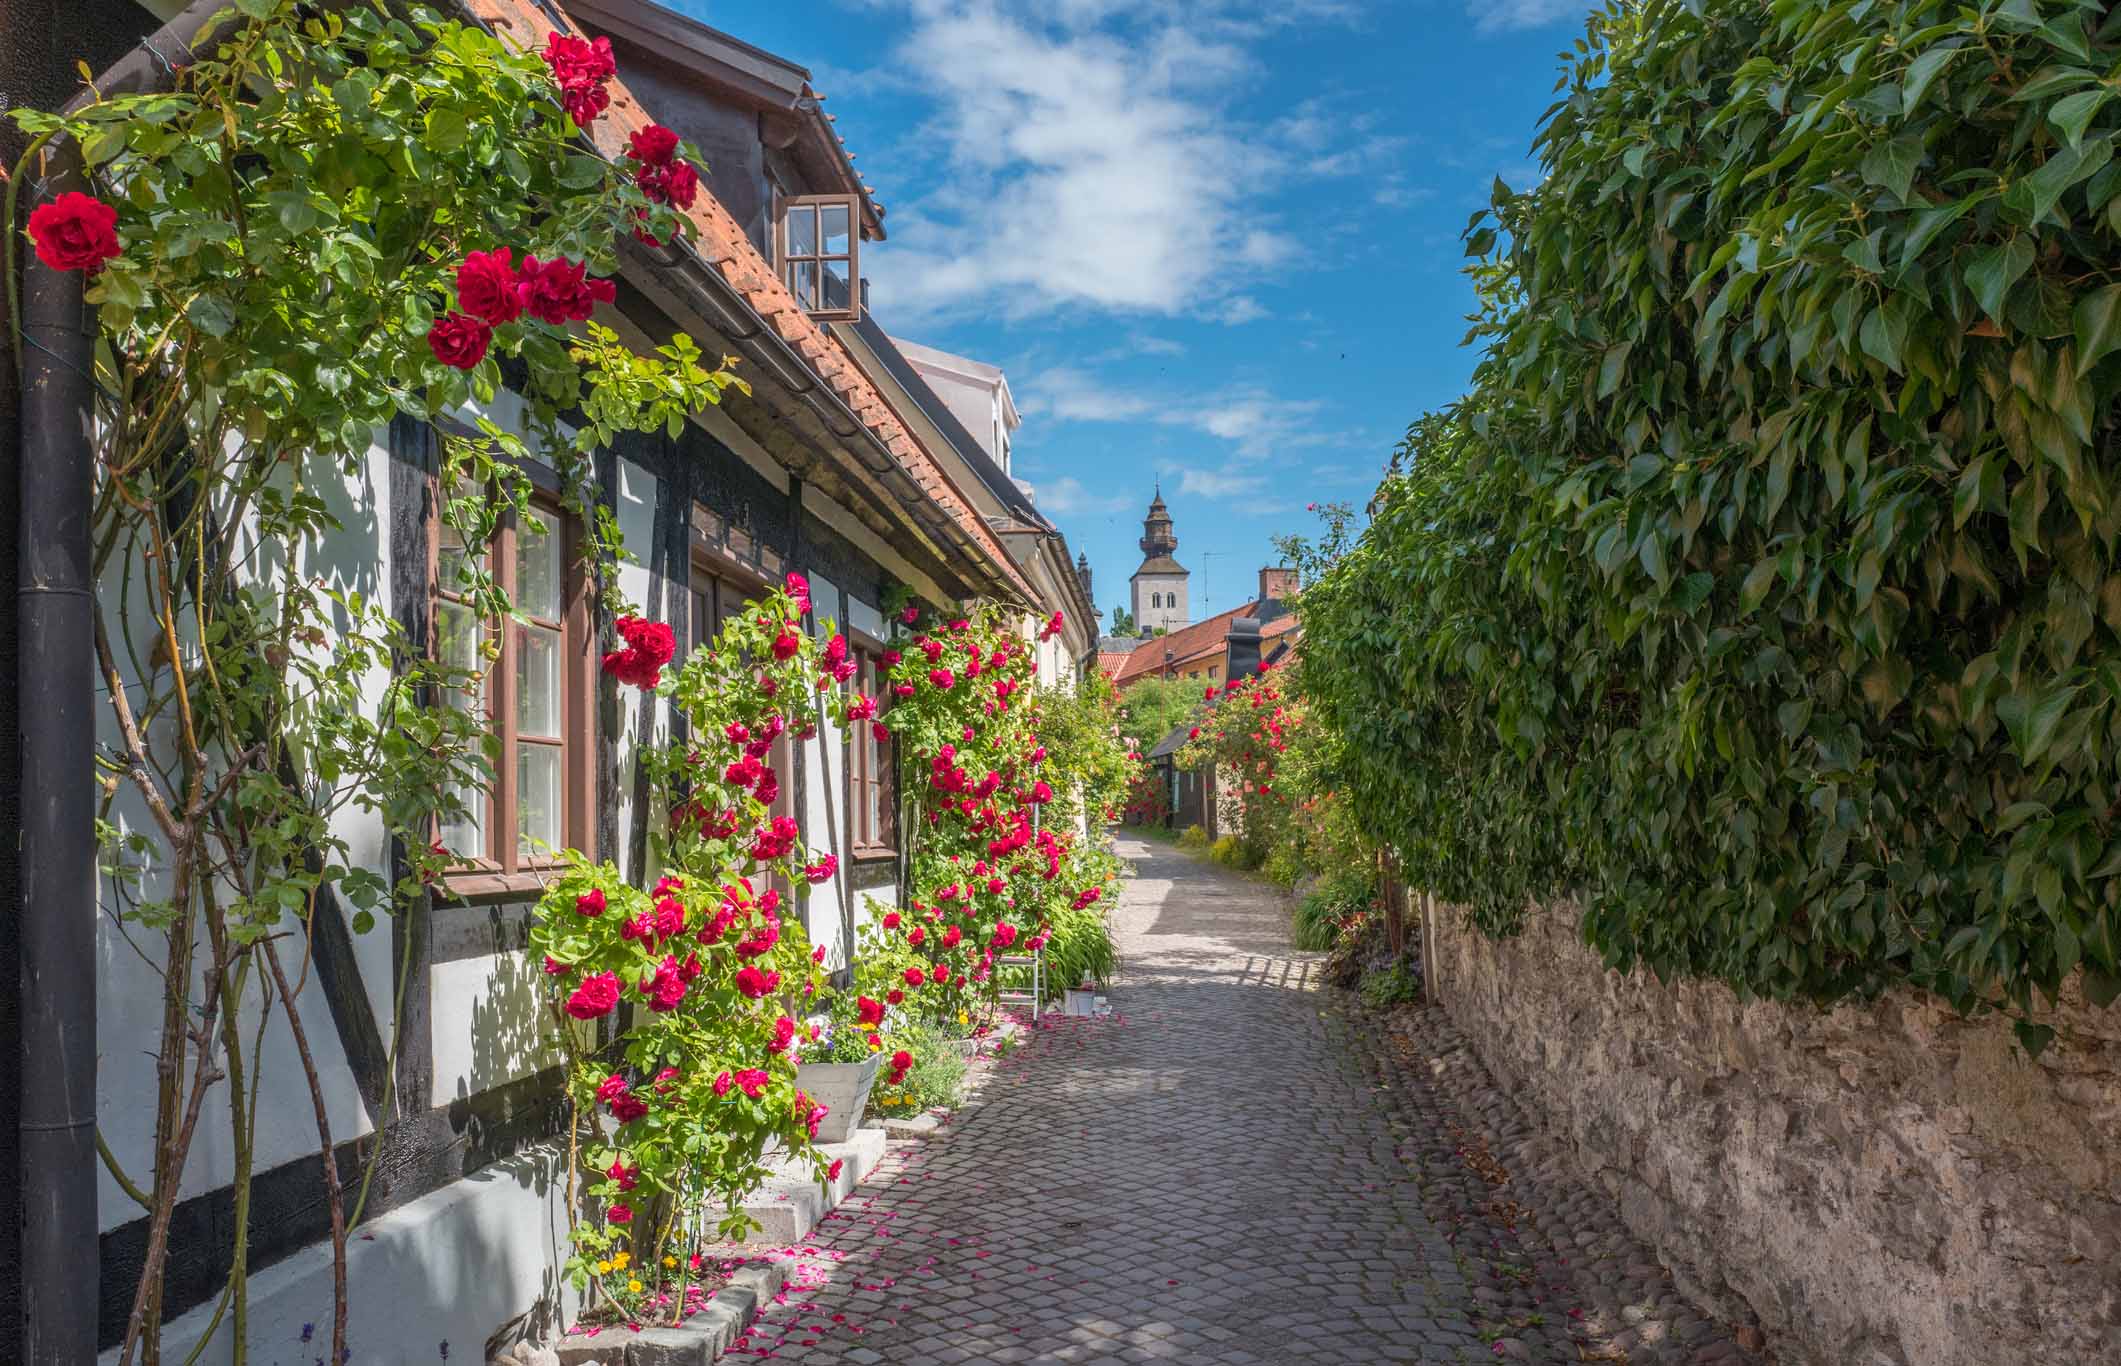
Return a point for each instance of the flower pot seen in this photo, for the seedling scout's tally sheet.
(843, 1088)
(1080, 1001)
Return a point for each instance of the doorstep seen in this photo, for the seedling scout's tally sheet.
(791, 1201)
(700, 1339)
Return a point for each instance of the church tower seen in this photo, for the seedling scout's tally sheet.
(1160, 584)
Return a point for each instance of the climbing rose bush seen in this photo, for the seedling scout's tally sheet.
(700, 973)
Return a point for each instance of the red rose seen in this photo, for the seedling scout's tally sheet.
(584, 103)
(786, 644)
(459, 341)
(1004, 935)
(626, 1176)
(680, 184)
(590, 903)
(867, 1011)
(555, 968)
(901, 1060)
(942, 973)
(595, 997)
(558, 291)
(832, 1173)
(914, 977)
(620, 1214)
(754, 982)
(486, 287)
(75, 232)
(894, 996)
(667, 988)
(751, 1081)
(578, 61)
(649, 646)
(653, 145)
(628, 1108)
(783, 1035)
(798, 589)
(611, 1088)
(822, 869)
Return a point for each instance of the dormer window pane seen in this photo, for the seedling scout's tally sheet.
(817, 246)
(802, 231)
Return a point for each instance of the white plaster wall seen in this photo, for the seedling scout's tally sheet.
(824, 813)
(489, 1024)
(450, 1267)
(635, 495)
(129, 984)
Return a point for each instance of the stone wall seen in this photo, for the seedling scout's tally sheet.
(1881, 1184)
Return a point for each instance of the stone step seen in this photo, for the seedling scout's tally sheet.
(791, 1201)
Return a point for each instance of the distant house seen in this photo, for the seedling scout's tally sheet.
(1203, 651)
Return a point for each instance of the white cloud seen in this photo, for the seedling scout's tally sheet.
(1252, 425)
(1218, 483)
(1242, 309)
(1502, 16)
(1067, 496)
(1090, 157)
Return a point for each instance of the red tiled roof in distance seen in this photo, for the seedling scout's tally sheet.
(720, 240)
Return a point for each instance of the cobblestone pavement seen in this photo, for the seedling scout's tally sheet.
(1208, 1176)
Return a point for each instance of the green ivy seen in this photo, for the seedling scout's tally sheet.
(1762, 594)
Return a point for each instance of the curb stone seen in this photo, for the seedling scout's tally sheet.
(1556, 1272)
(699, 1340)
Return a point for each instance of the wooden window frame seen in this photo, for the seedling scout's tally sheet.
(500, 868)
(785, 261)
(870, 763)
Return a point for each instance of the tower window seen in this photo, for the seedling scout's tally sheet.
(818, 246)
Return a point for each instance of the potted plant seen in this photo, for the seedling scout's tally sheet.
(840, 1063)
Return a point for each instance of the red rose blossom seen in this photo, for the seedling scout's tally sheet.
(75, 232)
(867, 1011)
(914, 977)
(755, 982)
(595, 997)
(559, 291)
(752, 1081)
(590, 903)
(486, 287)
(620, 1214)
(653, 145)
(459, 340)
(649, 646)
(901, 1060)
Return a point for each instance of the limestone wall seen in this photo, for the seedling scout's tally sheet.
(1881, 1184)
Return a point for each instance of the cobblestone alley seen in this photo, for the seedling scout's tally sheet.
(1208, 1176)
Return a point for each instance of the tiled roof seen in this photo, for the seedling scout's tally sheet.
(1108, 663)
(1195, 642)
(719, 240)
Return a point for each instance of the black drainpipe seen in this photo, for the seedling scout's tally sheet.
(55, 615)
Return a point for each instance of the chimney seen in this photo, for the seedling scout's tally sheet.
(1243, 645)
(1276, 583)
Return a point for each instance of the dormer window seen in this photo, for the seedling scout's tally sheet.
(819, 253)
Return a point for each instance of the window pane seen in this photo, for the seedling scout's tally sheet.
(802, 230)
(702, 616)
(457, 636)
(537, 681)
(466, 836)
(450, 560)
(835, 216)
(802, 282)
(839, 283)
(537, 799)
(539, 572)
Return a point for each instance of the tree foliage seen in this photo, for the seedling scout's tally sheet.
(1763, 592)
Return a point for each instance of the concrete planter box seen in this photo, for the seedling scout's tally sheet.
(843, 1088)
(701, 1339)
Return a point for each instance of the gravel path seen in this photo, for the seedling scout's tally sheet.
(1225, 1171)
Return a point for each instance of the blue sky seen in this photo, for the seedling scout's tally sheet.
(1215, 240)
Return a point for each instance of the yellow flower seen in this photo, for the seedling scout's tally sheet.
(634, 1286)
(963, 1018)
(670, 1261)
(621, 1260)
(603, 1268)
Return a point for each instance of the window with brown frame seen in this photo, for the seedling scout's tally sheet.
(818, 245)
(872, 796)
(538, 696)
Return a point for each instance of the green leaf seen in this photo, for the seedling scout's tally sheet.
(2065, 168)
(2034, 1038)
(1481, 242)
(1994, 271)
(446, 129)
(2101, 988)
(1921, 72)
(1892, 164)
(211, 314)
(2097, 324)
(2070, 116)
(1929, 222)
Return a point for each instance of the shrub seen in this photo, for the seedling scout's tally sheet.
(1799, 408)
(1337, 904)
(1396, 985)
(937, 1078)
(1232, 852)
(1078, 942)
(1193, 838)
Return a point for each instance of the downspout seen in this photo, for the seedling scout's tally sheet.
(55, 613)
